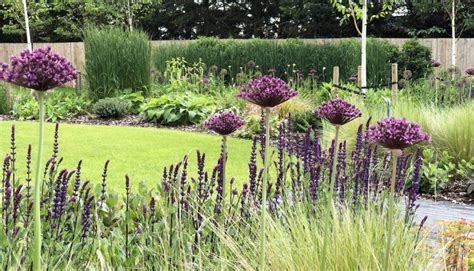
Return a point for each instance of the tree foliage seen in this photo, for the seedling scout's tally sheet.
(53, 21)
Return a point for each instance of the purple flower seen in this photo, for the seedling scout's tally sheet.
(338, 111)
(40, 69)
(224, 123)
(470, 70)
(205, 81)
(396, 133)
(267, 91)
(435, 63)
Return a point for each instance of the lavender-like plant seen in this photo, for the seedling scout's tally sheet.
(267, 92)
(39, 70)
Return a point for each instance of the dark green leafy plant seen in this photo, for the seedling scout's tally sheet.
(111, 108)
(178, 108)
(416, 58)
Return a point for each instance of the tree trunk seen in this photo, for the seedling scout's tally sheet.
(363, 78)
(130, 16)
(453, 34)
(27, 26)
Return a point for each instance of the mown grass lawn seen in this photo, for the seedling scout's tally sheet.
(139, 152)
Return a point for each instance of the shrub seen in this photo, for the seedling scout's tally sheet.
(234, 55)
(5, 99)
(179, 108)
(116, 59)
(111, 108)
(416, 58)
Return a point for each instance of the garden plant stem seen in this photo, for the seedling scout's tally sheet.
(334, 162)
(37, 196)
(224, 161)
(264, 188)
(395, 155)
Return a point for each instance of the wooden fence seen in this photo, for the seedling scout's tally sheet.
(440, 48)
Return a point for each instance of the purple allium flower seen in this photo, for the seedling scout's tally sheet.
(224, 123)
(470, 70)
(435, 63)
(205, 80)
(40, 69)
(396, 133)
(338, 111)
(267, 91)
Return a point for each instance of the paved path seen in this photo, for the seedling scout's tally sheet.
(443, 210)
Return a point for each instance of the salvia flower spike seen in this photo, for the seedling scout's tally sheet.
(267, 91)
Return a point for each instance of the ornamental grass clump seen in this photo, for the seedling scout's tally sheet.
(267, 92)
(394, 134)
(224, 124)
(40, 70)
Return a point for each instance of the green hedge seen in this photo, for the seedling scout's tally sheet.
(116, 59)
(272, 54)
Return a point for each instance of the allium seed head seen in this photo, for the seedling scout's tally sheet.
(338, 111)
(396, 133)
(267, 91)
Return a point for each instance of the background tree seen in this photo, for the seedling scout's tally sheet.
(357, 11)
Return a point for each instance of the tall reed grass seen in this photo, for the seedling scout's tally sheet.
(116, 59)
(281, 55)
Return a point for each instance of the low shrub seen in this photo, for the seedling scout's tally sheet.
(178, 108)
(111, 108)
(116, 60)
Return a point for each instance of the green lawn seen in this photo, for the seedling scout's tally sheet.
(139, 152)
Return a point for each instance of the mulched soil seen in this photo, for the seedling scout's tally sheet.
(456, 192)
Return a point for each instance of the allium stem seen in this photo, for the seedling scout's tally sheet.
(224, 162)
(37, 191)
(395, 155)
(264, 188)
(334, 163)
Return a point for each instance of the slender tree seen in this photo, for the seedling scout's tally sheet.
(358, 11)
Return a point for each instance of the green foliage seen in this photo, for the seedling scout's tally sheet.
(116, 60)
(178, 108)
(5, 99)
(438, 170)
(111, 108)
(416, 58)
(58, 106)
(286, 57)
(135, 101)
